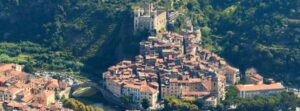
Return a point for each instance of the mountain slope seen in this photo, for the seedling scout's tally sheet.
(262, 34)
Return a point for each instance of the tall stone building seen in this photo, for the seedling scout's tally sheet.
(149, 19)
(218, 86)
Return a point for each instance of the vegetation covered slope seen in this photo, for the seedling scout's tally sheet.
(248, 33)
(262, 34)
(94, 33)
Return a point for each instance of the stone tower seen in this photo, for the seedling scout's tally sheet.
(148, 8)
(198, 35)
(137, 14)
(218, 86)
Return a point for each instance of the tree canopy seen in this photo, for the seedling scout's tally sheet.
(78, 106)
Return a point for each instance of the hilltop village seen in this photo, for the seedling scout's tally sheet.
(168, 65)
(26, 92)
(172, 64)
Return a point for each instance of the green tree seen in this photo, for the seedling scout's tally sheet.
(193, 107)
(199, 102)
(28, 68)
(232, 96)
(126, 99)
(145, 103)
(206, 31)
(77, 105)
(289, 101)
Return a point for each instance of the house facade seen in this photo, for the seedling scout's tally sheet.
(251, 90)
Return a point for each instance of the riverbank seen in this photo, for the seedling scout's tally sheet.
(99, 102)
(96, 100)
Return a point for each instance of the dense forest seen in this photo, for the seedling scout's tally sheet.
(262, 34)
(91, 35)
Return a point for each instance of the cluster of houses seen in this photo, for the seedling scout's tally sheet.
(171, 64)
(23, 91)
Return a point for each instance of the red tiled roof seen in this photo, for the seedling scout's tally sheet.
(190, 80)
(18, 74)
(13, 90)
(207, 84)
(154, 84)
(52, 83)
(253, 87)
(148, 89)
(27, 98)
(258, 76)
(5, 67)
(195, 93)
(132, 86)
(4, 78)
(14, 104)
(231, 69)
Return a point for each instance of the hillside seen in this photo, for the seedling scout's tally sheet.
(261, 34)
(92, 35)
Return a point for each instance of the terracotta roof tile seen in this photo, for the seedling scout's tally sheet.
(5, 67)
(148, 89)
(253, 87)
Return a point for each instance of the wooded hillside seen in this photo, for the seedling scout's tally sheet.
(263, 34)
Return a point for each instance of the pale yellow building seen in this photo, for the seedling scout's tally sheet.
(65, 93)
(138, 92)
(44, 98)
(251, 90)
(185, 87)
(149, 93)
(231, 75)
